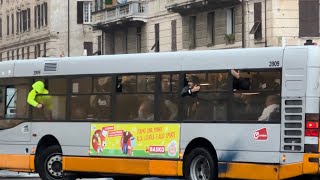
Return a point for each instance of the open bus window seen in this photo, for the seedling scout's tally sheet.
(210, 102)
(260, 102)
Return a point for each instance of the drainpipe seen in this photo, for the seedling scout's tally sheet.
(265, 23)
(243, 24)
(68, 28)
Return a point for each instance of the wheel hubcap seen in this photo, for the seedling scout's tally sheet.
(54, 166)
(200, 168)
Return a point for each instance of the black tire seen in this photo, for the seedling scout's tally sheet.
(200, 164)
(49, 163)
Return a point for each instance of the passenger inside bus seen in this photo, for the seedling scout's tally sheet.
(168, 105)
(146, 110)
(272, 108)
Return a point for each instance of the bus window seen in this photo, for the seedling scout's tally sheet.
(82, 85)
(91, 103)
(210, 102)
(261, 102)
(102, 84)
(127, 84)
(57, 86)
(132, 100)
(54, 103)
(134, 107)
(2, 102)
(169, 97)
(11, 102)
(146, 83)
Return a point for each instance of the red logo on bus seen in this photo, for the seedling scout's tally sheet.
(260, 134)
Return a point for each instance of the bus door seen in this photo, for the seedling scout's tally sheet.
(13, 115)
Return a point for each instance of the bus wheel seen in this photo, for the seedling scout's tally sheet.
(200, 165)
(49, 163)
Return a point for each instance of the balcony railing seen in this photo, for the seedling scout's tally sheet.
(133, 10)
(184, 6)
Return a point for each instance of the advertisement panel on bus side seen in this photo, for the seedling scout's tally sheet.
(135, 140)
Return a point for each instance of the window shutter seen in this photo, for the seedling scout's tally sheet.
(309, 18)
(80, 12)
(174, 35)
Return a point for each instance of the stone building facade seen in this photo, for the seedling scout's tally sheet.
(135, 26)
(40, 28)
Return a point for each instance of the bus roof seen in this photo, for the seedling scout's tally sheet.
(147, 62)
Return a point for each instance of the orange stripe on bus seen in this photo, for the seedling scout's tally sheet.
(119, 165)
(290, 170)
(311, 167)
(17, 162)
(252, 171)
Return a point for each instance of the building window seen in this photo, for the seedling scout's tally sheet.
(139, 37)
(35, 52)
(12, 24)
(22, 53)
(38, 50)
(25, 20)
(28, 52)
(309, 18)
(8, 30)
(99, 52)
(87, 9)
(18, 22)
(8, 55)
(0, 57)
(12, 52)
(88, 46)
(28, 19)
(35, 17)
(21, 21)
(45, 6)
(230, 21)
(211, 28)
(80, 12)
(257, 26)
(156, 46)
(18, 53)
(192, 32)
(99, 5)
(45, 50)
(174, 35)
(0, 28)
(39, 16)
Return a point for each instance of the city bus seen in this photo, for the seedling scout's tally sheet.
(199, 115)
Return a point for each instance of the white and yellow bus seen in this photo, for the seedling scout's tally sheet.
(256, 115)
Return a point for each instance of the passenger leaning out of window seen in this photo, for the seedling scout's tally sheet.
(192, 88)
(38, 88)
